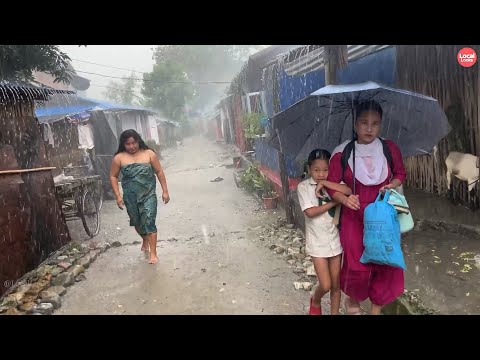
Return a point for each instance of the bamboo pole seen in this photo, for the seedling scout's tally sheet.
(22, 171)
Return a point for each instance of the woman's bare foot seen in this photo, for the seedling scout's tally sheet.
(152, 239)
(353, 306)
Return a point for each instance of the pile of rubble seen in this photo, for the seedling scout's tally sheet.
(39, 292)
(288, 242)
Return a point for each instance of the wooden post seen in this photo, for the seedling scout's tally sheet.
(286, 188)
(335, 57)
(330, 60)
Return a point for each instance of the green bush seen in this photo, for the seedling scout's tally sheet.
(249, 177)
(251, 125)
(252, 180)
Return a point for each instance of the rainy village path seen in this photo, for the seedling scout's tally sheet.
(211, 260)
(214, 242)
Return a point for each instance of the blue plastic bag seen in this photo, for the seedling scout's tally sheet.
(381, 234)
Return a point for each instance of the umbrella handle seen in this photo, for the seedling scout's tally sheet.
(353, 169)
(354, 115)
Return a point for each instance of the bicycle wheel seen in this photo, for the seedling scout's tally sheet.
(89, 214)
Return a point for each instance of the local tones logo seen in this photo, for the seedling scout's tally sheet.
(467, 57)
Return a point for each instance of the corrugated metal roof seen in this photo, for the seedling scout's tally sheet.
(20, 90)
(263, 57)
(258, 61)
(314, 60)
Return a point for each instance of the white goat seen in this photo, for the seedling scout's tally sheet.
(465, 167)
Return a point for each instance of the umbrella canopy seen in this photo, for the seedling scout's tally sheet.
(416, 123)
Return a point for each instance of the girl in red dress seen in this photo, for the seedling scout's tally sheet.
(380, 283)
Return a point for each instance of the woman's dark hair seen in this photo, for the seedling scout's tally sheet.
(369, 105)
(317, 154)
(127, 134)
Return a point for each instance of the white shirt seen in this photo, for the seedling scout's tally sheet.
(85, 137)
(322, 239)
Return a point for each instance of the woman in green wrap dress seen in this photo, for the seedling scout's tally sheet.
(139, 165)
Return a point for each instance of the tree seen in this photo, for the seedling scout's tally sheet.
(123, 92)
(207, 63)
(114, 92)
(168, 89)
(19, 62)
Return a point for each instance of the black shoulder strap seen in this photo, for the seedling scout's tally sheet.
(349, 148)
(345, 156)
(388, 154)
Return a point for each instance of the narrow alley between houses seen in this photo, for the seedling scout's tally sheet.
(270, 179)
(212, 259)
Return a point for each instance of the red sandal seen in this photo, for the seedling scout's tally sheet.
(313, 309)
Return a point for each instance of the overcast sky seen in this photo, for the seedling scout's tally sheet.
(134, 57)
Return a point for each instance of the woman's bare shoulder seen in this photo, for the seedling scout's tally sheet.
(150, 153)
(119, 157)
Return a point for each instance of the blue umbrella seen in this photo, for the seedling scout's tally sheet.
(416, 123)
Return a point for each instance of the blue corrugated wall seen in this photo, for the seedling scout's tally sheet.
(378, 67)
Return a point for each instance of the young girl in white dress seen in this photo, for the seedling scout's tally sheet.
(322, 239)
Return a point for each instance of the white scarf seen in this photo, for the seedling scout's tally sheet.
(371, 167)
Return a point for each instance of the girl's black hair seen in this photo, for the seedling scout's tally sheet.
(317, 154)
(369, 105)
(127, 134)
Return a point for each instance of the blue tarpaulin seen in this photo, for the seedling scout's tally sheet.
(68, 105)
